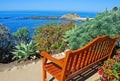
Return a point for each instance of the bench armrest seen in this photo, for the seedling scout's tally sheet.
(49, 57)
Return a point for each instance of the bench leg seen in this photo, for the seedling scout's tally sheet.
(44, 76)
(63, 79)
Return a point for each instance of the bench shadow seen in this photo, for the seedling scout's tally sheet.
(83, 75)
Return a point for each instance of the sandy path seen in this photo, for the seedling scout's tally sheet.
(30, 72)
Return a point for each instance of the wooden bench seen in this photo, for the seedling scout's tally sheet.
(78, 60)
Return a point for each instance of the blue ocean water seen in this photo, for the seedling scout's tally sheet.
(13, 20)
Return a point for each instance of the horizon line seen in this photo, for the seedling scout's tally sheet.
(55, 10)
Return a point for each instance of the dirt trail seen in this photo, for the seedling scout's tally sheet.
(30, 72)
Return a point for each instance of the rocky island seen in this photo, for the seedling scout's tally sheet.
(45, 17)
(74, 17)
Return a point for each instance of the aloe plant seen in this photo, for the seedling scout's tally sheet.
(24, 51)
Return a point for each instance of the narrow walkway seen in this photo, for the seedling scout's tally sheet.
(33, 72)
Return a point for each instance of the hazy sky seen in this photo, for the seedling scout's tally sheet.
(66, 5)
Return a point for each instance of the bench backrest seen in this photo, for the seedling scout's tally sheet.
(95, 51)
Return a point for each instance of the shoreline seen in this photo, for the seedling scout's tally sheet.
(32, 17)
(45, 18)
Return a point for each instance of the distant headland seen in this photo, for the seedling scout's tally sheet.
(73, 17)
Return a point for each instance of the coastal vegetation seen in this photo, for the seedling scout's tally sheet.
(22, 46)
(105, 23)
(49, 38)
(24, 51)
(56, 37)
(6, 45)
(22, 35)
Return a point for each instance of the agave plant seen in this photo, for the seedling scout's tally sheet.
(24, 51)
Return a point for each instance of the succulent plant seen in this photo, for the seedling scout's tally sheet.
(24, 51)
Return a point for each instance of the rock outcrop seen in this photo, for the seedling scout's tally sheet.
(70, 16)
(74, 17)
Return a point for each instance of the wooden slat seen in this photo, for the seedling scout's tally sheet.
(94, 54)
(76, 62)
(83, 59)
(69, 64)
(102, 45)
(96, 51)
(91, 55)
(100, 52)
(79, 60)
(88, 56)
(106, 48)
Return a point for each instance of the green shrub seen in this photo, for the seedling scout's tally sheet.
(22, 35)
(24, 51)
(105, 23)
(49, 38)
(6, 45)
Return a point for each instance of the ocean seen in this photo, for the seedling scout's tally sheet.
(14, 20)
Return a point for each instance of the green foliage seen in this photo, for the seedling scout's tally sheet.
(5, 45)
(50, 37)
(105, 23)
(115, 9)
(69, 33)
(111, 69)
(87, 19)
(24, 51)
(22, 35)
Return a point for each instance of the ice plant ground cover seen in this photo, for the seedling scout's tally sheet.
(110, 71)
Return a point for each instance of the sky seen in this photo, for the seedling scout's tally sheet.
(58, 5)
